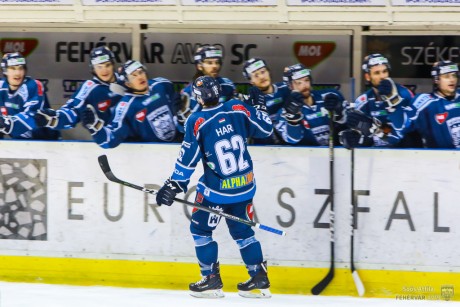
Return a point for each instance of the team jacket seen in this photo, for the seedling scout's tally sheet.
(313, 129)
(370, 104)
(22, 105)
(142, 118)
(218, 137)
(436, 119)
(92, 92)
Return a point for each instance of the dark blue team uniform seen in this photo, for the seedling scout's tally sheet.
(370, 104)
(313, 129)
(218, 137)
(142, 118)
(92, 92)
(21, 106)
(436, 118)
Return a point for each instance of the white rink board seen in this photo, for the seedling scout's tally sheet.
(287, 178)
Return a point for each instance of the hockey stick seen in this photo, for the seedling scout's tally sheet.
(104, 164)
(330, 275)
(356, 279)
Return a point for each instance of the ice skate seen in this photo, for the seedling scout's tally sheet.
(256, 286)
(210, 286)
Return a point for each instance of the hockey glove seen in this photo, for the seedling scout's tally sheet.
(389, 92)
(367, 125)
(46, 118)
(183, 109)
(257, 99)
(90, 119)
(333, 103)
(168, 192)
(293, 108)
(6, 125)
(350, 138)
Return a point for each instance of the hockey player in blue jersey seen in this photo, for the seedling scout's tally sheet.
(257, 72)
(217, 136)
(102, 93)
(20, 98)
(145, 114)
(304, 119)
(384, 103)
(436, 115)
(208, 62)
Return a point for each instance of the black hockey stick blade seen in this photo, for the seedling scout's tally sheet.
(104, 164)
(324, 282)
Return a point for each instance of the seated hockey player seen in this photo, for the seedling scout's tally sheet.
(385, 101)
(435, 116)
(216, 135)
(145, 113)
(274, 95)
(102, 92)
(304, 118)
(20, 98)
(208, 62)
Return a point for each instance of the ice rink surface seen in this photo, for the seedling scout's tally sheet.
(43, 295)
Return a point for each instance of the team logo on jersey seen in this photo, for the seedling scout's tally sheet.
(250, 212)
(140, 116)
(312, 53)
(4, 111)
(23, 45)
(240, 107)
(214, 219)
(454, 129)
(39, 88)
(305, 124)
(197, 125)
(162, 123)
(104, 105)
(441, 118)
(237, 181)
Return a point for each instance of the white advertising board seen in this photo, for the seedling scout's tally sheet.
(129, 2)
(37, 2)
(337, 2)
(230, 2)
(407, 205)
(432, 3)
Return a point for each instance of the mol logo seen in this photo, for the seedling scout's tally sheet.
(22, 45)
(312, 53)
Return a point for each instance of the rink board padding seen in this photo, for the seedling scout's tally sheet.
(72, 225)
(175, 275)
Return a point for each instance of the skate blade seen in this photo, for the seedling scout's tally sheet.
(256, 293)
(208, 294)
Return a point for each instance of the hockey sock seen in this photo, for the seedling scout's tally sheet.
(206, 252)
(251, 252)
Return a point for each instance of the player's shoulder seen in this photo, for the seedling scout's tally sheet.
(422, 100)
(224, 81)
(159, 81)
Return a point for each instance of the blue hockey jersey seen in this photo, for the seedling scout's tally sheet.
(370, 104)
(21, 106)
(436, 119)
(92, 92)
(142, 118)
(218, 137)
(313, 129)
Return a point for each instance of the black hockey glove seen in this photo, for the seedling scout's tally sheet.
(389, 92)
(90, 120)
(168, 192)
(293, 108)
(183, 108)
(46, 118)
(367, 125)
(350, 138)
(257, 99)
(333, 103)
(6, 125)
